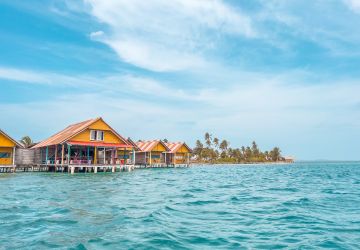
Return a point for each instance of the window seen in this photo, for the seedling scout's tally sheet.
(4, 155)
(92, 135)
(100, 135)
(96, 135)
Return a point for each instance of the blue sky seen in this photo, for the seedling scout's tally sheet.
(283, 73)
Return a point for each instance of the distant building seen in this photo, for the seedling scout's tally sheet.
(179, 153)
(289, 159)
(151, 152)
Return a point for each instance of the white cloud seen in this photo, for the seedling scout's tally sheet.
(271, 109)
(166, 35)
(97, 34)
(353, 5)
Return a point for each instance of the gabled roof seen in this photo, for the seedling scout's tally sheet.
(175, 146)
(11, 139)
(72, 131)
(147, 146)
(132, 143)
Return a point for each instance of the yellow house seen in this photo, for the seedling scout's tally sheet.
(151, 152)
(7, 149)
(179, 153)
(91, 142)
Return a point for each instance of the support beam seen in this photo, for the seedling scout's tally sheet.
(47, 155)
(62, 154)
(69, 154)
(55, 161)
(165, 157)
(88, 154)
(134, 156)
(95, 155)
(13, 158)
(104, 156)
(95, 169)
(150, 157)
(72, 170)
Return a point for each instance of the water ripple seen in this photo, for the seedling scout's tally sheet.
(300, 206)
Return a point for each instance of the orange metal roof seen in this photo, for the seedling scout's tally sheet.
(11, 139)
(175, 146)
(70, 132)
(147, 146)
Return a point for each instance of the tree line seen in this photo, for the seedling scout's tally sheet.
(212, 150)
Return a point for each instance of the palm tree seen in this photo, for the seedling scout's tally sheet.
(216, 142)
(199, 148)
(224, 145)
(27, 141)
(208, 139)
(255, 150)
(275, 154)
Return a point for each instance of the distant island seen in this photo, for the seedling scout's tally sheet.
(214, 151)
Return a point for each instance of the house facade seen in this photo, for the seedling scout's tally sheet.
(7, 149)
(91, 142)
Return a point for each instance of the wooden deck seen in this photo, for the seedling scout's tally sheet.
(78, 168)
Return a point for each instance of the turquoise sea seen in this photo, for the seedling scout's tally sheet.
(309, 205)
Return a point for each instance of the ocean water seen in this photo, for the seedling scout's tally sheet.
(300, 206)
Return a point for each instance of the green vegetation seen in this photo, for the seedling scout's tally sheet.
(27, 142)
(214, 151)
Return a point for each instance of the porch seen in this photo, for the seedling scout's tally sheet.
(86, 154)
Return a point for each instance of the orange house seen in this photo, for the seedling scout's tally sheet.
(179, 153)
(151, 152)
(7, 149)
(91, 142)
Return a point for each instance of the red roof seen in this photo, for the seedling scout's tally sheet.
(70, 132)
(147, 146)
(175, 146)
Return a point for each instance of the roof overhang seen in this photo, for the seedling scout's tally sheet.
(99, 144)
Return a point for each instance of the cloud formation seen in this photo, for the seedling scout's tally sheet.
(166, 35)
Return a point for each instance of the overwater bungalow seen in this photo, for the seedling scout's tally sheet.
(88, 143)
(151, 153)
(7, 150)
(179, 153)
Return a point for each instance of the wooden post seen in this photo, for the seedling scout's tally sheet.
(55, 156)
(72, 170)
(174, 158)
(165, 157)
(95, 169)
(47, 155)
(69, 154)
(88, 154)
(62, 154)
(104, 156)
(150, 159)
(95, 155)
(134, 156)
(13, 158)
(188, 158)
(113, 169)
